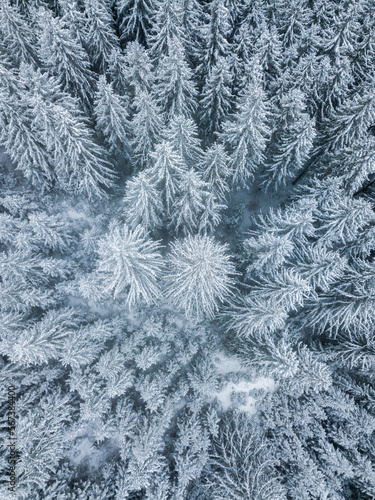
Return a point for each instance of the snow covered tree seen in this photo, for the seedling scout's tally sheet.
(351, 121)
(193, 208)
(73, 15)
(291, 141)
(143, 203)
(214, 167)
(22, 144)
(80, 163)
(167, 172)
(245, 135)
(215, 36)
(192, 21)
(216, 98)
(111, 114)
(130, 265)
(101, 37)
(200, 275)
(137, 69)
(17, 36)
(174, 88)
(135, 19)
(293, 20)
(117, 71)
(147, 128)
(242, 465)
(269, 52)
(64, 57)
(166, 28)
(182, 133)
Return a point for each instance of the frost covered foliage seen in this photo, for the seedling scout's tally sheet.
(187, 242)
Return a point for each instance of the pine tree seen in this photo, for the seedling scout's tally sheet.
(292, 140)
(174, 86)
(80, 164)
(138, 70)
(111, 114)
(143, 203)
(64, 57)
(200, 275)
(101, 37)
(192, 21)
(17, 36)
(189, 211)
(22, 144)
(214, 167)
(182, 134)
(167, 172)
(216, 98)
(191, 453)
(350, 122)
(130, 265)
(117, 71)
(166, 28)
(73, 16)
(245, 135)
(294, 20)
(269, 52)
(215, 36)
(147, 128)
(136, 19)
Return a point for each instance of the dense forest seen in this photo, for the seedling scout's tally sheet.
(187, 249)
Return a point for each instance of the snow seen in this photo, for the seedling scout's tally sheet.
(227, 395)
(227, 364)
(238, 394)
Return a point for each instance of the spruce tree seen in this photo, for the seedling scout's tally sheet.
(147, 128)
(245, 135)
(174, 88)
(64, 57)
(101, 37)
(291, 142)
(111, 114)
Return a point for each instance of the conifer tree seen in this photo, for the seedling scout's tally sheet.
(147, 128)
(64, 57)
(200, 275)
(143, 203)
(167, 171)
(292, 140)
(216, 98)
(138, 70)
(80, 164)
(111, 116)
(192, 20)
(215, 36)
(166, 28)
(245, 135)
(214, 167)
(182, 133)
(174, 88)
(73, 15)
(136, 19)
(17, 36)
(192, 203)
(101, 38)
(269, 52)
(130, 265)
(117, 71)
(350, 122)
(22, 144)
